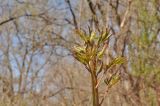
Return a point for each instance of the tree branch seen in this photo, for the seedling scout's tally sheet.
(73, 14)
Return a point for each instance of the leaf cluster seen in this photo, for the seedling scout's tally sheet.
(91, 53)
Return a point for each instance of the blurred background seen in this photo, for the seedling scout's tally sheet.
(36, 63)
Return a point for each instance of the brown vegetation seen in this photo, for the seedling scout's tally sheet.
(38, 61)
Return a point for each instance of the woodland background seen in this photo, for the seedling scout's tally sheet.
(37, 67)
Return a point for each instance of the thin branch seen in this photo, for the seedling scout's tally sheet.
(73, 14)
(125, 15)
(57, 92)
(8, 20)
(94, 17)
(91, 6)
(17, 17)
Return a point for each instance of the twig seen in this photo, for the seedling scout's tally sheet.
(73, 14)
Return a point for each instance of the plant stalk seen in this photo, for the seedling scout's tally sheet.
(95, 95)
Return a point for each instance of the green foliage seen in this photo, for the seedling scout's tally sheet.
(144, 51)
(94, 47)
(115, 61)
(114, 80)
(91, 54)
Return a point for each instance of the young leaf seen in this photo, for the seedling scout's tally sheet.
(82, 36)
(81, 57)
(118, 60)
(101, 53)
(92, 37)
(105, 37)
(79, 49)
(114, 80)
